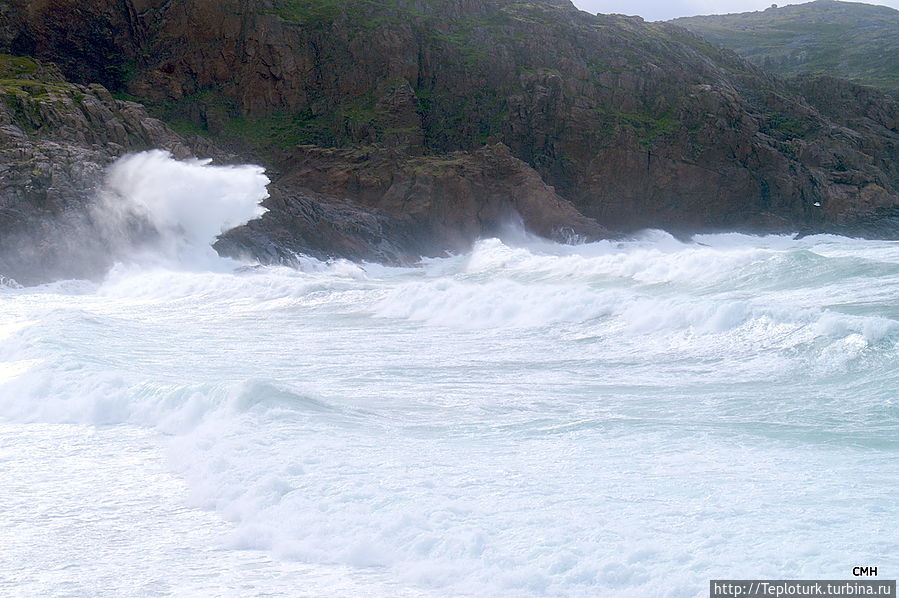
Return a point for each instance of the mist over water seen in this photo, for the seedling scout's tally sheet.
(182, 206)
(528, 419)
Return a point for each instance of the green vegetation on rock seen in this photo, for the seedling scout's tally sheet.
(14, 67)
(646, 127)
(790, 127)
(846, 39)
(25, 83)
(369, 14)
(309, 12)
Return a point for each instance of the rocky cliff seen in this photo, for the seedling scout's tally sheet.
(362, 107)
(58, 138)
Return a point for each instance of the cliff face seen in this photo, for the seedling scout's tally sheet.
(636, 124)
(58, 138)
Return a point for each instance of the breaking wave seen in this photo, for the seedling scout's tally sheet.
(157, 209)
(529, 419)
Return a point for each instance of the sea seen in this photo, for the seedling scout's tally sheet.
(625, 418)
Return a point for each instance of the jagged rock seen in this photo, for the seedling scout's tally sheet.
(386, 206)
(302, 222)
(366, 204)
(637, 124)
(625, 123)
(57, 139)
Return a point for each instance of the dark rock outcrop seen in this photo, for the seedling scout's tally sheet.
(365, 204)
(383, 205)
(635, 124)
(56, 139)
(862, 194)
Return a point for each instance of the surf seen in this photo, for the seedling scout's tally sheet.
(523, 419)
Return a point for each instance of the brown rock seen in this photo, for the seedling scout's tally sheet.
(636, 124)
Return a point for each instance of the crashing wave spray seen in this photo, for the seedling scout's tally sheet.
(157, 208)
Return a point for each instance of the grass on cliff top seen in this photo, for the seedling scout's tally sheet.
(14, 67)
(25, 86)
(846, 39)
(21, 76)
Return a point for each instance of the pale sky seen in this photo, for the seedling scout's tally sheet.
(660, 10)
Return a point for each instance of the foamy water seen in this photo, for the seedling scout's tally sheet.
(529, 419)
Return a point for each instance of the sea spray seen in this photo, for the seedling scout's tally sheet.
(157, 209)
(9, 283)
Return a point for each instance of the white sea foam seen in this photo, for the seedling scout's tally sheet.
(188, 203)
(529, 419)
